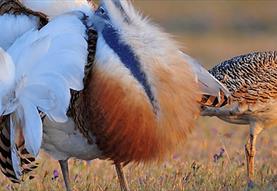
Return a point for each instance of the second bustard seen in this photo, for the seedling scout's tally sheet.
(252, 81)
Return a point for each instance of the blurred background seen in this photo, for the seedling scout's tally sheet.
(213, 31)
(213, 158)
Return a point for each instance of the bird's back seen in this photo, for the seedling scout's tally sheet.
(252, 81)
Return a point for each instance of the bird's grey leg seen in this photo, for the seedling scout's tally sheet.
(64, 167)
(250, 151)
(122, 180)
(222, 111)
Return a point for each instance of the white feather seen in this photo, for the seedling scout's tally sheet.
(209, 85)
(39, 95)
(7, 78)
(7, 69)
(32, 126)
(70, 48)
(59, 93)
(48, 63)
(55, 7)
(13, 26)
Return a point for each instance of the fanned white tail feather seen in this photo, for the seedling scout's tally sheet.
(209, 85)
(39, 70)
(13, 26)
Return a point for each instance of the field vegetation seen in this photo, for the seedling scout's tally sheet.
(213, 158)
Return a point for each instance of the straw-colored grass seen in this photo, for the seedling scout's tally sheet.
(192, 168)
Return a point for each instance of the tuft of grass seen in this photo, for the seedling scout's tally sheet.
(192, 168)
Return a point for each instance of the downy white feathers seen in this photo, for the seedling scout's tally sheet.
(55, 7)
(37, 73)
(13, 26)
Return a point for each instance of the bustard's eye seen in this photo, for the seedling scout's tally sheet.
(102, 11)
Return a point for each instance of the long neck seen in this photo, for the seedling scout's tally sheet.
(128, 58)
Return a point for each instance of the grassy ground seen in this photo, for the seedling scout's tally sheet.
(192, 168)
(211, 31)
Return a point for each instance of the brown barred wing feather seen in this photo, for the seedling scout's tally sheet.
(251, 78)
(27, 161)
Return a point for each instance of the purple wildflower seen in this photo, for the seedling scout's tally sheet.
(218, 156)
(55, 174)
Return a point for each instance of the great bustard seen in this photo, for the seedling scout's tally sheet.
(37, 73)
(40, 64)
(139, 78)
(252, 82)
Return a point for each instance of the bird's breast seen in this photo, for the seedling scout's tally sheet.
(124, 112)
(64, 140)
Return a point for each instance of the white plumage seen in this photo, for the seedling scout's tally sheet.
(37, 73)
(208, 84)
(9, 33)
(55, 7)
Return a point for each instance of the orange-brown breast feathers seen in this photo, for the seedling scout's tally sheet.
(130, 130)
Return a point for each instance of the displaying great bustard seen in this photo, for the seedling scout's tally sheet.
(252, 82)
(139, 97)
(38, 70)
(40, 64)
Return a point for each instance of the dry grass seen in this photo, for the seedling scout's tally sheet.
(193, 168)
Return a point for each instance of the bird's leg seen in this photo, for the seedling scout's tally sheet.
(250, 150)
(64, 167)
(222, 111)
(122, 180)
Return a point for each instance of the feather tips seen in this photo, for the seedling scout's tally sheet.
(54, 7)
(32, 126)
(7, 77)
(9, 33)
(48, 63)
(7, 70)
(209, 85)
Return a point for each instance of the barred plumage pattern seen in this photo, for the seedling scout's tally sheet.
(251, 78)
(78, 108)
(27, 161)
(214, 101)
(252, 81)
